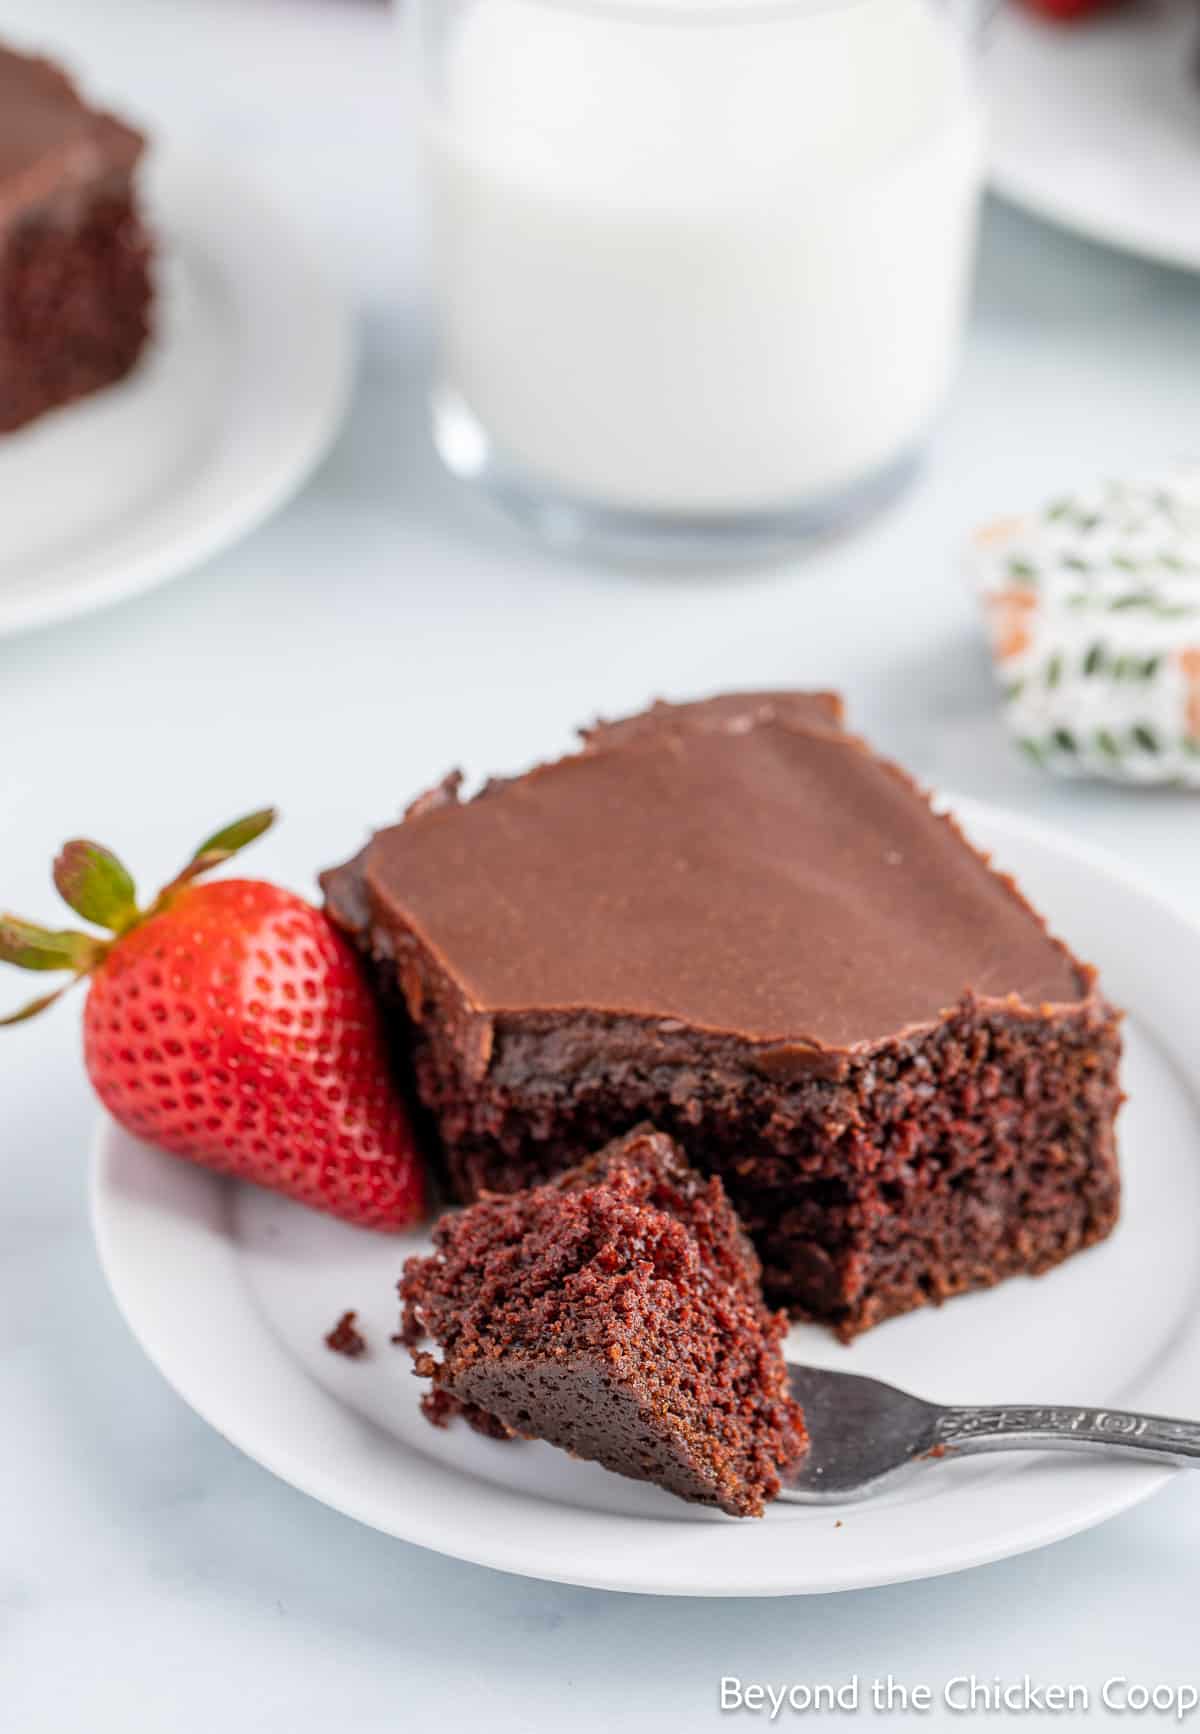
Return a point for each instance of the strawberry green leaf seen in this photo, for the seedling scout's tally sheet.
(34, 1007)
(236, 836)
(226, 843)
(95, 885)
(31, 947)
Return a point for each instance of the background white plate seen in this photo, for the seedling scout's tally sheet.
(230, 1291)
(239, 393)
(1096, 125)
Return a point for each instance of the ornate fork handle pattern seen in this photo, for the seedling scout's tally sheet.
(1012, 1427)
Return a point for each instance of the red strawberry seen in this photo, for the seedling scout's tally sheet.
(1066, 11)
(231, 1023)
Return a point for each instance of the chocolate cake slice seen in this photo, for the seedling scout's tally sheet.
(614, 1311)
(762, 939)
(75, 287)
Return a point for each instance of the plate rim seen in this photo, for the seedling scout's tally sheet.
(1114, 1489)
(1014, 188)
(303, 430)
(1008, 181)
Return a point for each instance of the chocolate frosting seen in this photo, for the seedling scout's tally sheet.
(773, 882)
(51, 142)
(728, 712)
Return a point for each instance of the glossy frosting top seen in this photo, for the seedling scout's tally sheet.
(774, 882)
(728, 712)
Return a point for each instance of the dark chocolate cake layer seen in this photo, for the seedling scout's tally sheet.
(616, 1312)
(762, 939)
(75, 287)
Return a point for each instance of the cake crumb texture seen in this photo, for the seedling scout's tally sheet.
(616, 1312)
(346, 1339)
(75, 258)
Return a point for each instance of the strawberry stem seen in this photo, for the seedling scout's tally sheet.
(100, 888)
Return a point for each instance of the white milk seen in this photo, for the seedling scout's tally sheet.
(702, 263)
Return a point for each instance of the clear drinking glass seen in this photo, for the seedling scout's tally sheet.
(700, 266)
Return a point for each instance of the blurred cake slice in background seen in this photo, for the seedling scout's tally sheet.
(75, 287)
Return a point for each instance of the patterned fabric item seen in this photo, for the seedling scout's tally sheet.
(1093, 608)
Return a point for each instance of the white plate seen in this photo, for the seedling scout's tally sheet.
(1096, 125)
(230, 1291)
(239, 393)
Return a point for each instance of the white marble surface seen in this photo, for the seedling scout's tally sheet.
(374, 633)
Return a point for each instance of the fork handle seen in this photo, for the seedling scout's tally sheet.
(1122, 1432)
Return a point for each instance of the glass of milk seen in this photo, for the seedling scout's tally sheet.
(700, 266)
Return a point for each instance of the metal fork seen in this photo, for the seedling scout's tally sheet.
(866, 1436)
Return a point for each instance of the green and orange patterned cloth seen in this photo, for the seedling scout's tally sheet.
(1093, 609)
